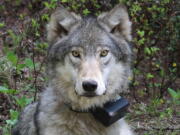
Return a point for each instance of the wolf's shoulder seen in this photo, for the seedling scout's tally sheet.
(26, 121)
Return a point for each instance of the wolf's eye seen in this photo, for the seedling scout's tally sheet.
(104, 53)
(76, 54)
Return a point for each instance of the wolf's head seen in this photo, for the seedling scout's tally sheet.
(89, 58)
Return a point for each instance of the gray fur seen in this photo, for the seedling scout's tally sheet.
(89, 37)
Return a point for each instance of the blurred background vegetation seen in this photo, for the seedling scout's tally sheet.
(155, 89)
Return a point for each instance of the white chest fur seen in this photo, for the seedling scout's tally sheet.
(67, 122)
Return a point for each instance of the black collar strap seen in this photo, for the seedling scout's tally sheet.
(79, 111)
(108, 114)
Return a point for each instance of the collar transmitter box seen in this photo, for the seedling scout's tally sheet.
(111, 111)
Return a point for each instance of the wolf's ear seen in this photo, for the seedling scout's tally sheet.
(117, 21)
(61, 23)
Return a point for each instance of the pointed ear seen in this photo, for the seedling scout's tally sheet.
(117, 21)
(61, 23)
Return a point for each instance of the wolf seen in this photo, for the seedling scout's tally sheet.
(88, 65)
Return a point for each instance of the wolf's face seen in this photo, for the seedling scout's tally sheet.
(91, 70)
(89, 58)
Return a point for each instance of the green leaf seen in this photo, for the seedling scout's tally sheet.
(34, 23)
(15, 37)
(149, 75)
(141, 41)
(64, 1)
(29, 63)
(14, 114)
(12, 57)
(162, 73)
(13, 117)
(2, 24)
(154, 49)
(21, 66)
(86, 11)
(5, 90)
(140, 33)
(23, 101)
(147, 50)
(45, 17)
(11, 122)
(175, 95)
(46, 4)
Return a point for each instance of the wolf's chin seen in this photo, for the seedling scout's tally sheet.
(81, 102)
(89, 95)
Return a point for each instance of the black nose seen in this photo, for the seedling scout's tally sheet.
(89, 86)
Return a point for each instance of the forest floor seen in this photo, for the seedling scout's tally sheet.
(147, 117)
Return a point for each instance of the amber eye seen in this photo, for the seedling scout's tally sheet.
(76, 53)
(104, 53)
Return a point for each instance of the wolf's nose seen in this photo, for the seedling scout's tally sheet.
(89, 86)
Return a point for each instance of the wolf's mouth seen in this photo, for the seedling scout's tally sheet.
(90, 94)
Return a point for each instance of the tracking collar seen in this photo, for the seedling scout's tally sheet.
(110, 113)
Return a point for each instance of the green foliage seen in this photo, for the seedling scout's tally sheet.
(12, 57)
(5, 90)
(16, 39)
(23, 101)
(175, 95)
(29, 63)
(149, 76)
(45, 17)
(13, 117)
(83, 7)
(10, 122)
(157, 34)
(51, 5)
(86, 12)
(2, 24)
(35, 26)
